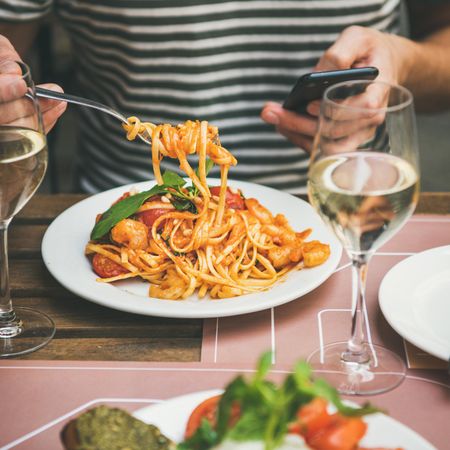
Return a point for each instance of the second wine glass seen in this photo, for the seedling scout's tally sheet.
(364, 182)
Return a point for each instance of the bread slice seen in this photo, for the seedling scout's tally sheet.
(105, 428)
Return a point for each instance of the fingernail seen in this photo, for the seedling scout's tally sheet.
(271, 117)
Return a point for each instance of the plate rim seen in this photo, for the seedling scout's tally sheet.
(194, 313)
(211, 392)
(383, 295)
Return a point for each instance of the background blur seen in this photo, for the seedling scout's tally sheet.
(50, 60)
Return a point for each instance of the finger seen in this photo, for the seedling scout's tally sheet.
(313, 108)
(11, 87)
(51, 116)
(275, 114)
(350, 104)
(301, 141)
(14, 104)
(339, 129)
(348, 143)
(10, 67)
(350, 47)
(47, 103)
(11, 112)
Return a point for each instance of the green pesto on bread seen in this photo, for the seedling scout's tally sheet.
(105, 428)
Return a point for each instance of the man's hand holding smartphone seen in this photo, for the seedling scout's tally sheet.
(297, 118)
(355, 47)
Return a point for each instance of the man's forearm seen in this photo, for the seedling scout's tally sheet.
(427, 69)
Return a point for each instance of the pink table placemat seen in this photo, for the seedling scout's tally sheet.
(39, 397)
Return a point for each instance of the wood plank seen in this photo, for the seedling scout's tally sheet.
(44, 208)
(24, 241)
(120, 349)
(80, 318)
(434, 203)
(31, 278)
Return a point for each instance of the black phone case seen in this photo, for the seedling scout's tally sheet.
(311, 86)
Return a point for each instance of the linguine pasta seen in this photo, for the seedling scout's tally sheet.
(199, 238)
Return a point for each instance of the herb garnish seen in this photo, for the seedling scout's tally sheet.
(265, 408)
(123, 209)
(181, 198)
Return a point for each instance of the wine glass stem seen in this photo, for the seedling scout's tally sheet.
(7, 315)
(356, 351)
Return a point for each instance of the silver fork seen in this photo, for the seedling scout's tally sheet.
(47, 93)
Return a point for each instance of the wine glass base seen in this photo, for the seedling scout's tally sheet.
(29, 332)
(383, 371)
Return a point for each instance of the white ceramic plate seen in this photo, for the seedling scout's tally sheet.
(383, 431)
(415, 299)
(63, 253)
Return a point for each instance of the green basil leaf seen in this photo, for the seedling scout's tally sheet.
(208, 166)
(203, 438)
(264, 364)
(209, 163)
(123, 209)
(234, 392)
(250, 427)
(172, 179)
(182, 204)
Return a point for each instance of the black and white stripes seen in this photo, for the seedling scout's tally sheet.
(173, 60)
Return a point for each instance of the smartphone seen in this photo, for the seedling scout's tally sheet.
(311, 86)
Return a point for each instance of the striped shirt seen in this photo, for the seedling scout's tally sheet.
(167, 61)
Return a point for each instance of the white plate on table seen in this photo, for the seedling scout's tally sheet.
(171, 417)
(65, 239)
(415, 299)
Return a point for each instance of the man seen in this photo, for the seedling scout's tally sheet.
(169, 61)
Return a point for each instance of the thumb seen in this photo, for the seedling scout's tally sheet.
(349, 48)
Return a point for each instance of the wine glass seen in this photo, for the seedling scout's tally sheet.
(364, 183)
(23, 161)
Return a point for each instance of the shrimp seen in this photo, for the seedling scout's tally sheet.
(260, 212)
(315, 253)
(283, 234)
(131, 233)
(280, 256)
(284, 255)
(172, 287)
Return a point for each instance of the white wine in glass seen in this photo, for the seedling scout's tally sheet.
(23, 162)
(364, 183)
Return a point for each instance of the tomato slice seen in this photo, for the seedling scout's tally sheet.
(208, 410)
(150, 215)
(343, 433)
(232, 200)
(106, 268)
(205, 410)
(122, 197)
(311, 418)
